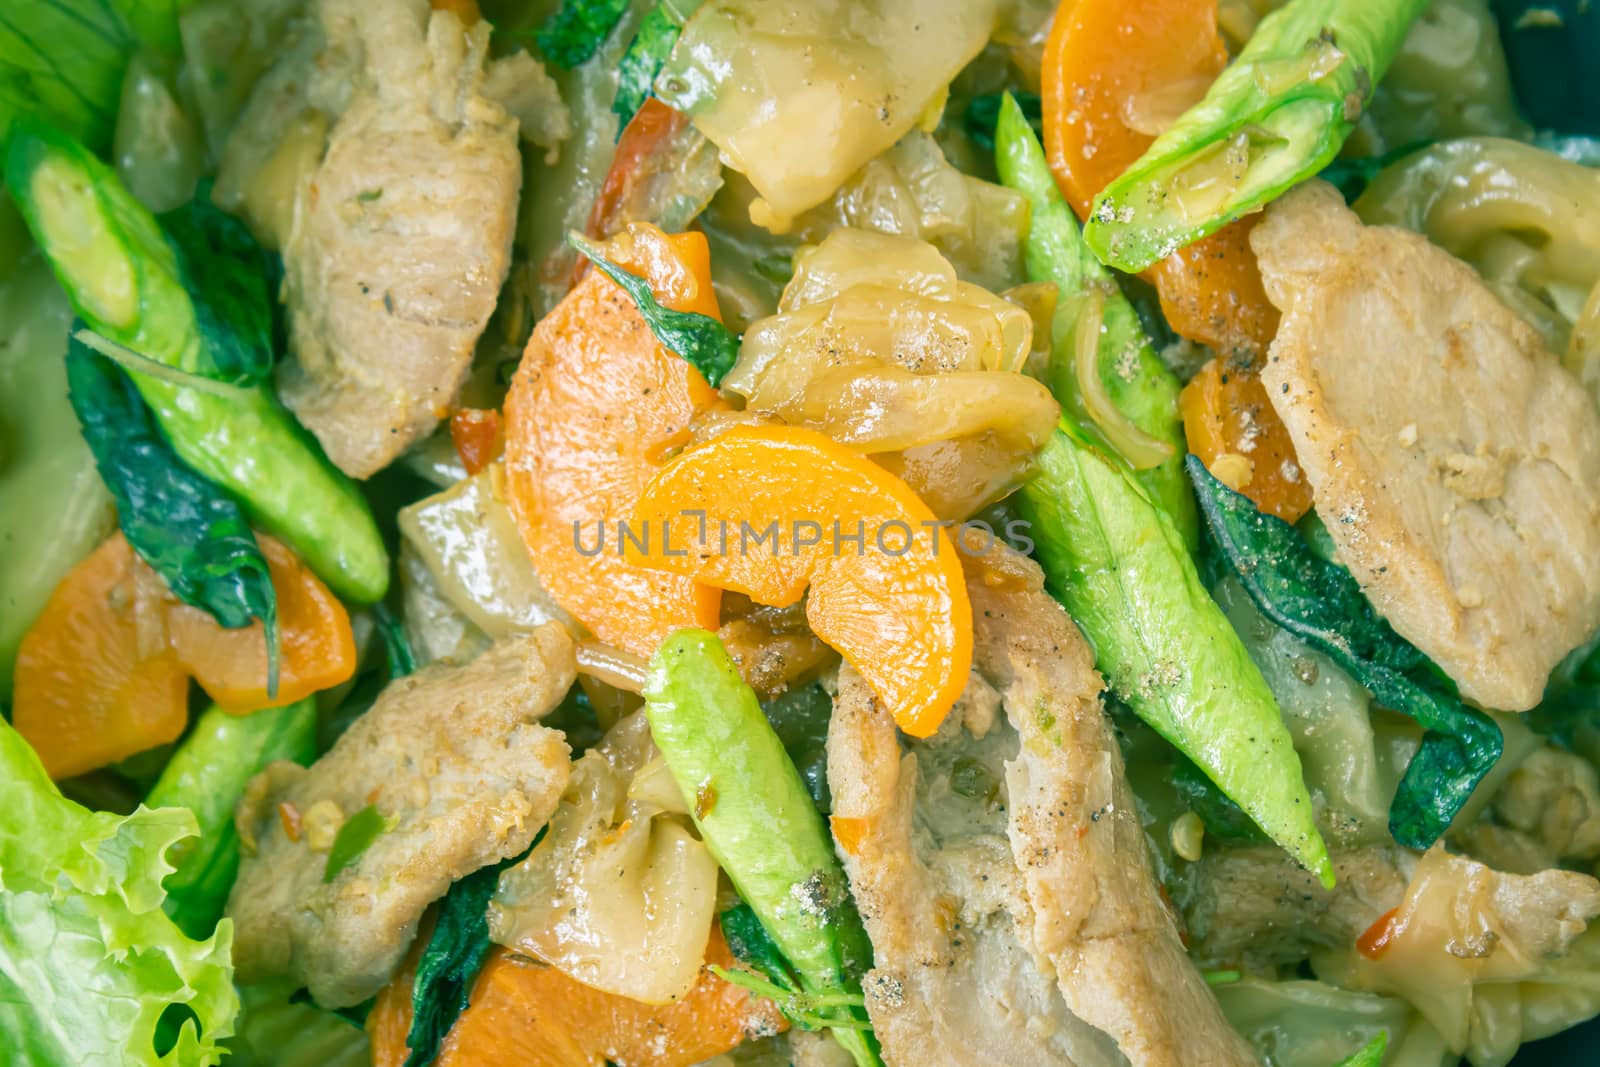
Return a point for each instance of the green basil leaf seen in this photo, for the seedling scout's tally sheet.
(226, 274)
(450, 963)
(355, 836)
(396, 648)
(708, 346)
(577, 29)
(639, 65)
(1321, 603)
(192, 533)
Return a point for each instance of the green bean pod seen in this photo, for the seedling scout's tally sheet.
(1277, 115)
(1114, 559)
(122, 277)
(755, 815)
(206, 774)
(1130, 373)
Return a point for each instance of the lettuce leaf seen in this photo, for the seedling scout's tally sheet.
(88, 960)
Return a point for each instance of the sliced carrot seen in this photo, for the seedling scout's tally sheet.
(594, 409)
(532, 1015)
(652, 126)
(1231, 425)
(787, 509)
(317, 649)
(1106, 60)
(477, 437)
(96, 681)
(1111, 68)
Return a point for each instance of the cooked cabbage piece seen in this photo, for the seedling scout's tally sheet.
(879, 344)
(1489, 959)
(468, 541)
(799, 96)
(619, 894)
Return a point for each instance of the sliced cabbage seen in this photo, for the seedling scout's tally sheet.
(619, 894)
(1327, 714)
(800, 96)
(1527, 219)
(1313, 1024)
(913, 191)
(434, 627)
(470, 545)
(1449, 80)
(1490, 959)
(880, 345)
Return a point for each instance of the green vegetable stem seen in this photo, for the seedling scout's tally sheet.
(1114, 559)
(755, 816)
(1277, 115)
(1321, 603)
(127, 282)
(207, 774)
(1145, 427)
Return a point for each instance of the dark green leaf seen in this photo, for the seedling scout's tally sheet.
(637, 70)
(983, 112)
(748, 941)
(190, 531)
(226, 274)
(1224, 819)
(576, 30)
(1320, 603)
(708, 346)
(396, 648)
(354, 837)
(450, 963)
(800, 719)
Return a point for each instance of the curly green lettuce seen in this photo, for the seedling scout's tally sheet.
(89, 962)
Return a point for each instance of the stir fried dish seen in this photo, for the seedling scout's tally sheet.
(839, 533)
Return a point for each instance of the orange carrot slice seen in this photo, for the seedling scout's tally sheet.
(529, 1014)
(594, 408)
(1231, 425)
(96, 681)
(786, 509)
(316, 647)
(477, 437)
(1112, 69)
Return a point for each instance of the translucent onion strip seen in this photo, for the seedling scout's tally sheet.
(618, 669)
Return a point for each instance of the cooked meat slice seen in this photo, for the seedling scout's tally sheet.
(1001, 869)
(1078, 841)
(1456, 464)
(401, 236)
(1256, 907)
(454, 760)
(956, 980)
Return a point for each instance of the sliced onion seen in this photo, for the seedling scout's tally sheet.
(613, 666)
(1140, 449)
